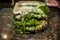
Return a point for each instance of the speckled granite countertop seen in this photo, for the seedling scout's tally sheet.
(50, 33)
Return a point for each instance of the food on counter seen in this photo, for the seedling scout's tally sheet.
(30, 17)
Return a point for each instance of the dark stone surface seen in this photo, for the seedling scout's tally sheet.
(48, 34)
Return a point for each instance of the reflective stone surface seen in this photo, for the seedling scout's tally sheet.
(50, 33)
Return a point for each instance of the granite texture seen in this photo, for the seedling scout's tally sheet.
(50, 33)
